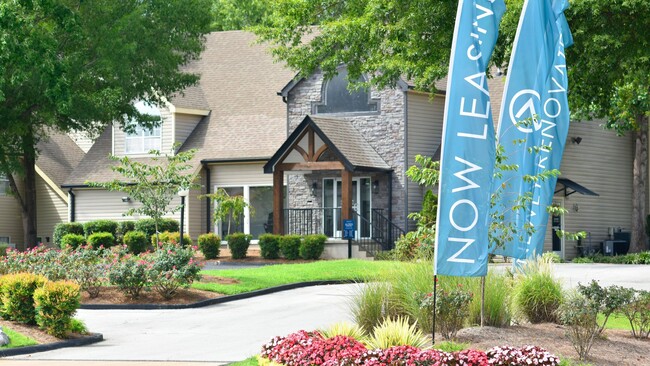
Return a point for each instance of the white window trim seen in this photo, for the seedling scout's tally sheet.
(247, 217)
(3, 179)
(140, 136)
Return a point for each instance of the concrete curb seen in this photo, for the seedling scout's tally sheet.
(90, 339)
(218, 300)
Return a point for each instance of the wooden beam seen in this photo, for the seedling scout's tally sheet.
(320, 152)
(320, 165)
(302, 152)
(310, 145)
(346, 194)
(278, 209)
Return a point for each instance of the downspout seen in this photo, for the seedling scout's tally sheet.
(72, 204)
(406, 162)
(390, 207)
(208, 227)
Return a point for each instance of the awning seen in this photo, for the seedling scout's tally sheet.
(570, 187)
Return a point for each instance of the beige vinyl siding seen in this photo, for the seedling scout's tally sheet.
(52, 209)
(11, 223)
(240, 174)
(602, 162)
(165, 133)
(184, 125)
(424, 126)
(195, 209)
(96, 204)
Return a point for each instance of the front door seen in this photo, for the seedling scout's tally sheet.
(557, 224)
(361, 205)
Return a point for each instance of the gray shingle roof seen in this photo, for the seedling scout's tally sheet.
(58, 156)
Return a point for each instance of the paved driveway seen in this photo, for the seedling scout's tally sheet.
(636, 276)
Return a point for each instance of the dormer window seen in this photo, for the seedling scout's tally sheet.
(141, 140)
(337, 98)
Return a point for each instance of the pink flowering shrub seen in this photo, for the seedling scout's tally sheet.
(310, 348)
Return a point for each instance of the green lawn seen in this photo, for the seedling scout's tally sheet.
(247, 362)
(615, 321)
(17, 339)
(251, 279)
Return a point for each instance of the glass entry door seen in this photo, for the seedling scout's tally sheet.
(361, 204)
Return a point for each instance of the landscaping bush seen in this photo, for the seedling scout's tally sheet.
(312, 246)
(527, 355)
(269, 246)
(72, 241)
(607, 300)
(130, 275)
(238, 244)
(124, 227)
(210, 245)
(136, 241)
(171, 238)
(579, 314)
(408, 287)
(290, 246)
(148, 226)
(398, 332)
(88, 268)
(497, 299)
(637, 312)
(451, 307)
(101, 239)
(371, 305)
(55, 304)
(538, 296)
(60, 230)
(343, 329)
(3, 249)
(171, 267)
(100, 226)
(18, 296)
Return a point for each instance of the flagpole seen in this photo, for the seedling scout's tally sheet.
(482, 301)
(435, 299)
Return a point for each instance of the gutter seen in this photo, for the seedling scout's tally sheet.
(207, 201)
(236, 160)
(72, 204)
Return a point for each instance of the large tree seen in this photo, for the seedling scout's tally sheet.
(79, 65)
(609, 62)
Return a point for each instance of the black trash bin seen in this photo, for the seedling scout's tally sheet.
(622, 242)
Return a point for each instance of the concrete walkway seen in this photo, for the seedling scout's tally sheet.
(236, 330)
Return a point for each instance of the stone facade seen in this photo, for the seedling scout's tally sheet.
(385, 132)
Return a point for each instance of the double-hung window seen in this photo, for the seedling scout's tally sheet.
(141, 140)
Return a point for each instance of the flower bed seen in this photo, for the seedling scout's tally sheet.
(311, 348)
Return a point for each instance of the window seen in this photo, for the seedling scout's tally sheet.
(261, 199)
(4, 185)
(5, 239)
(141, 140)
(338, 99)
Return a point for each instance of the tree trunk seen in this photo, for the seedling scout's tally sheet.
(640, 176)
(28, 204)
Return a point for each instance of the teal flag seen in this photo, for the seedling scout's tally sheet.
(534, 123)
(468, 144)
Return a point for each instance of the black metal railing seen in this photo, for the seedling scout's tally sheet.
(374, 233)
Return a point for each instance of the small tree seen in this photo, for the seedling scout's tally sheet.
(153, 184)
(227, 207)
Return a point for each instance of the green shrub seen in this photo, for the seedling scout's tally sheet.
(451, 307)
(100, 239)
(167, 237)
(55, 304)
(406, 246)
(124, 227)
(637, 312)
(398, 332)
(312, 246)
(78, 326)
(290, 246)
(130, 276)
(552, 257)
(269, 246)
(343, 329)
(3, 249)
(88, 268)
(60, 230)
(371, 304)
(100, 226)
(497, 297)
(171, 268)
(18, 296)
(538, 296)
(238, 244)
(72, 241)
(608, 300)
(408, 287)
(136, 241)
(579, 314)
(210, 245)
(148, 226)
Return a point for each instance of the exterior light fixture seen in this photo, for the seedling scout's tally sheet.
(126, 199)
(314, 186)
(375, 186)
(576, 140)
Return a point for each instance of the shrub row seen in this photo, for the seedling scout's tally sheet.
(292, 246)
(632, 258)
(32, 299)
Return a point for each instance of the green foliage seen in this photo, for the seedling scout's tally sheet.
(537, 295)
(210, 245)
(136, 241)
(414, 245)
(124, 227)
(100, 239)
(632, 258)
(397, 332)
(56, 304)
(290, 246)
(17, 339)
(148, 226)
(100, 226)
(552, 257)
(154, 183)
(269, 246)
(450, 346)
(238, 244)
(72, 241)
(582, 260)
(606, 300)
(167, 237)
(451, 307)
(312, 246)
(130, 275)
(78, 326)
(88, 267)
(343, 329)
(60, 230)
(579, 315)
(228, 208)
(18, 296)
(238, 14)
(171, 267)
(637, 312)
(370, 305)
(498, 288)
